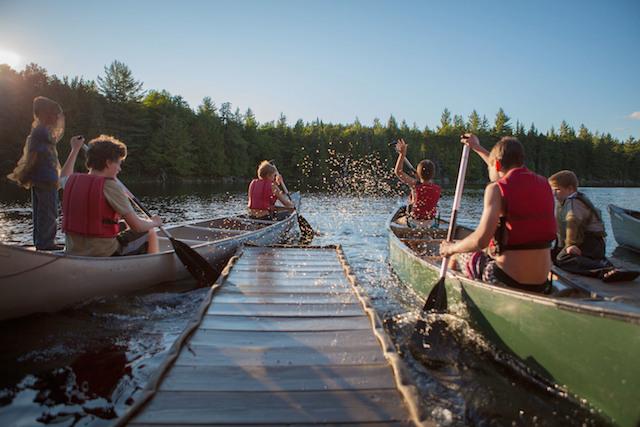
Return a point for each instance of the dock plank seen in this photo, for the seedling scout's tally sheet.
(280, 309)
(282, 324)
(279, 378)
(206, 355)
(273, 407)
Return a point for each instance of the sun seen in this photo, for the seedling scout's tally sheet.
(11, 58)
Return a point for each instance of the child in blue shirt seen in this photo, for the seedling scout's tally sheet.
(38, 169)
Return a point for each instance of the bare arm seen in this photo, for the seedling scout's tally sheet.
(139, 225)
(76, 144)
(474, 144)
(482, 235)
(284, 199)
(401, 147)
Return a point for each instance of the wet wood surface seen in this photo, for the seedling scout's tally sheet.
(285, 341)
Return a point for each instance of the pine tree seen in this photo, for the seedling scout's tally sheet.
(501, 125)
(118, 84)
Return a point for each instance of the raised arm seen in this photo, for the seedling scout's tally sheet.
(76, 145)
(474, 144)
(401, 148)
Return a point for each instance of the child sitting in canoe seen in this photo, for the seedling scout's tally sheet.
(511, 244)
(94, 202)
(580, 247)
(263, 193)
(424, 193)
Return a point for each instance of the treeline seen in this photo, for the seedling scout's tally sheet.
(167, 139)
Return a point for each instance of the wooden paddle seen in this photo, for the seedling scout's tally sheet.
(437, 299)
(306, 231)
(199, 268)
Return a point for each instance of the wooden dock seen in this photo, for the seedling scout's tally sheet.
(285, 337)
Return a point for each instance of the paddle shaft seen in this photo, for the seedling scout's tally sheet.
(137, 202)
(462, 171)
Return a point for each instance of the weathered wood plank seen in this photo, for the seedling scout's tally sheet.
(279, 290)
(290, 270)
(304, 310)
(274, 407)
(287, 298)
(321, 355)
(285, 324)
(311, 424)
(284, 275)
(312, 341)
(279, 378)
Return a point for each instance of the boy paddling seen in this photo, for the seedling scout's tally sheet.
(512, 241)
(94, 202)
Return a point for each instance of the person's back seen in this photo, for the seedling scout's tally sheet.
(424, 193)
(264, 192)
(517, 224)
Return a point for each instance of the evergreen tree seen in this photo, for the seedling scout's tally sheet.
(501, 126)
(118, 84)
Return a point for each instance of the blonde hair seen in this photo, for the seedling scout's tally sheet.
(265, 169)
(565, 179)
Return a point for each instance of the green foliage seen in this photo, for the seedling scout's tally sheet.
(118, 84)
(169, 140)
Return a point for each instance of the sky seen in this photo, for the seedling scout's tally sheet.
(541, 61)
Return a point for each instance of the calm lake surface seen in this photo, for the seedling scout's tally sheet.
(84, 365)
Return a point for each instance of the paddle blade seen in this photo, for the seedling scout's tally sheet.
(199, 268)
(306, 231)
(437, 299)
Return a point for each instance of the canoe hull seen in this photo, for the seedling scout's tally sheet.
(33, 282)
(580, 345)
(626, 227)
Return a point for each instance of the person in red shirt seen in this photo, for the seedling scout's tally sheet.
(424, 193)
(263, 193)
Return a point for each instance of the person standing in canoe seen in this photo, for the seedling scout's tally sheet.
(511, 245)
(38, 169)
(94, 202)
(580, 247)
(263, 193)
(424, 193)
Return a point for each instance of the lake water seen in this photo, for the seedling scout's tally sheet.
(84, 365)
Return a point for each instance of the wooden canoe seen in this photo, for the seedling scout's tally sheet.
(626, 226)
(583, 338)
(38, 281)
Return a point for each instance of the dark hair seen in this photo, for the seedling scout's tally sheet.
(509, 151)
(104, 148)
(45, 108)
(426, 170)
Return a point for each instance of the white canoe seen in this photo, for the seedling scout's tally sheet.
(36, 281)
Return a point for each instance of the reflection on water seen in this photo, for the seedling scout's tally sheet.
(86, 364)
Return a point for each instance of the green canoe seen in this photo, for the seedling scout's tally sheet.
(584, 337)
(626, 227)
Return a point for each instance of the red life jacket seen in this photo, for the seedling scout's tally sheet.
(261, 194)
(426, 197)
(85, 209)
(530, 221)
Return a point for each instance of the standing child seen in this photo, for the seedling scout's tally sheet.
(38, 169)
(424, 193)
(580, 245)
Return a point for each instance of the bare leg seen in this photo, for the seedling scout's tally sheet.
(153, 247)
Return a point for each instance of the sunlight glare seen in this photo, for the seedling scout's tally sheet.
(10, 58)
